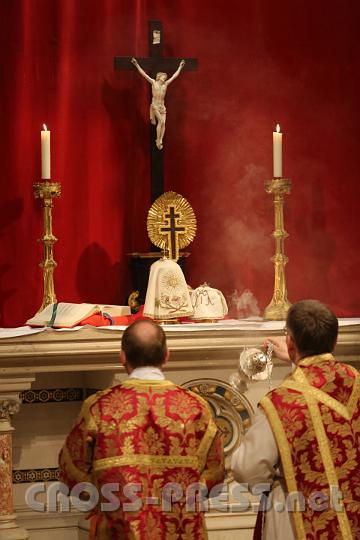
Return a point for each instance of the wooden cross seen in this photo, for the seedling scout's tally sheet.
(172, 229)
(153, 64)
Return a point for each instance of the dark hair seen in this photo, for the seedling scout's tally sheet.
(313, 327)
(144, 344)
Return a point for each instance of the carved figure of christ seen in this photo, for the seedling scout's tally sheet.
(159, 86)
(153, 64)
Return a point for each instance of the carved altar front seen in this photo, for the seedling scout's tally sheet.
(52, 371)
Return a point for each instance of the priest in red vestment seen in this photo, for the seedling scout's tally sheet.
(148, 446)
(305, 439)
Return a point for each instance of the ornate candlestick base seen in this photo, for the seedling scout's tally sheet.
(279, 305)
(47, 191)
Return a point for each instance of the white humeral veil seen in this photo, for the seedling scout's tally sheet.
(167, 295)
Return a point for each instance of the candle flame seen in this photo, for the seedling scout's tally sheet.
(45, 128)
(278, 128)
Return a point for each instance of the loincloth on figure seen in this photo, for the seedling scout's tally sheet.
(156, 110)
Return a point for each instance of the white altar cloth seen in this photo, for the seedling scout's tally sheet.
(253, 323)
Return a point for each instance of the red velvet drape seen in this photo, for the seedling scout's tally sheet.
(260, 63)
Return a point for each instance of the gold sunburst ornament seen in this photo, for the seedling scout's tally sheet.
(171, 223)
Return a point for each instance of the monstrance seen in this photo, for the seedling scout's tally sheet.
(171, 224)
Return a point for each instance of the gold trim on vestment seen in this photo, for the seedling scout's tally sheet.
(318, 395)
(285, 455)
(206, 442)
(146, 460)
(327, 459)
(355, 394)
(77, 474)
(312, 396)
(316, 359)
(300, 377)
(210, 432)
(85, 412)
(147, 382)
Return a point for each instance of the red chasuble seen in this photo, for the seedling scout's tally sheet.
(315, 417)
(150, 440)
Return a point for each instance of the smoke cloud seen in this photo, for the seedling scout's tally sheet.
(246, 305)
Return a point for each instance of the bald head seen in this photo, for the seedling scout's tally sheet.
(144, 344)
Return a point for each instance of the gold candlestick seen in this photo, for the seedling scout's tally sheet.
(47, 191)
(279, 305)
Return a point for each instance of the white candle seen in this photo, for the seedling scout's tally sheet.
(277, 152)
(45, 154)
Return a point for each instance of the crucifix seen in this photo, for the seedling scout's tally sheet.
(155, 64)
(172, 229)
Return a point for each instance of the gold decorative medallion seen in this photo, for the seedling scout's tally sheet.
(231, 409)
(171, 223)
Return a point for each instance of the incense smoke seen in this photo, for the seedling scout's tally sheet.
(246, 305)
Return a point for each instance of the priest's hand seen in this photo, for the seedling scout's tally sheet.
(280, 348)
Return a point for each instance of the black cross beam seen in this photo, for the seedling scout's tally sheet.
(153, 64)
(172, 229)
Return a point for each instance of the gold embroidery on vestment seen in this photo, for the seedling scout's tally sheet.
(80, 476)
(206, 443)
(147, 383)
(317, 359)
(285, 453)
(355, 394)
(318, 395)
(161, 462)
(330, 470)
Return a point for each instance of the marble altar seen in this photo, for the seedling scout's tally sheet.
(53, 370)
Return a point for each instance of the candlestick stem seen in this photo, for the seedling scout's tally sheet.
(47, 191)
(279, 305)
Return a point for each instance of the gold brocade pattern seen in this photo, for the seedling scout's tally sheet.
(67, 463)
(206, 443)
(317, 359)
(149, 434)
(318, 395)
(286, 459)
(315, 418)
(327, 459)
(355, 394)
(159, 462)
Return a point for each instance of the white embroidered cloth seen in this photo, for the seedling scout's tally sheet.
(167, 295)
(208, 303)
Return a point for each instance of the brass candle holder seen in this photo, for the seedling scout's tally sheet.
(47, 191)
(279, 305)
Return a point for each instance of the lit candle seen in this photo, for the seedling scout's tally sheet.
(45, 154)
(277, 152)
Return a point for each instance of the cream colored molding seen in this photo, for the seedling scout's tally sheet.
(13, 385)
(46, 520)
(94, 349)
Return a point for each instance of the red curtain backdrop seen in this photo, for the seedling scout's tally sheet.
(260, 63)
